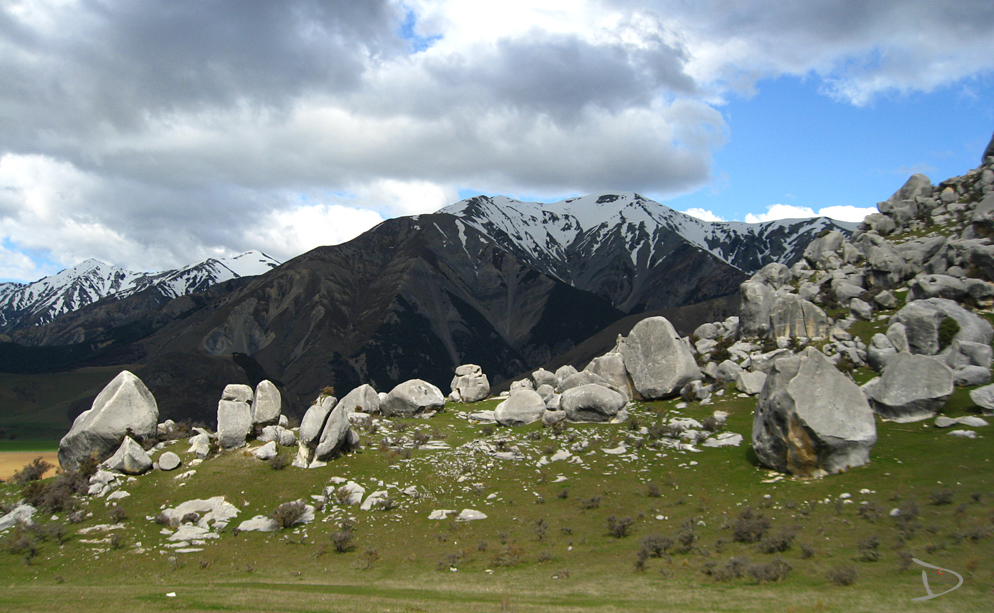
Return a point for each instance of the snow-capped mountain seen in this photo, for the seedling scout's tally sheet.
(92, 280)
(615, 244)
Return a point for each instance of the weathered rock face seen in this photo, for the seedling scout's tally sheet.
(124, 404)
(314, 419)
(611, 368)
(268, 404)
(754, 309)
(984, 398)
(592, 403)
(775, 275)
(523, 406)
(657, 360)
(810, 419)
(912, 388)
(471, 386)
(544, 377)
(335, 436)
(793, 316)
(584, 377)
(238, 392)
(234, 422)
(412, 397)
(921, 320)
(750, 382)
(129, 459)
(362, 399)
(565, 371)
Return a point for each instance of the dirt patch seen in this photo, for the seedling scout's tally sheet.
(13, 461)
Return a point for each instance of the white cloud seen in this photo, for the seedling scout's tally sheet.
(286, 233)
(703, 214)
(788, 211)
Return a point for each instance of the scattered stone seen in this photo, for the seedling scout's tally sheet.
(130, 459)
(725, 439)
(972, 421)
(944, 422)
(168, 461)
(441, 514)
(750, 382)
(267, 451)
(259, 523)
(963, 433)
(21, 514)
(469, 384)
(470, 515)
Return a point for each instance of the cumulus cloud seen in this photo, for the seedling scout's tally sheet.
(788, 211)
(703, 214)
(156, 134)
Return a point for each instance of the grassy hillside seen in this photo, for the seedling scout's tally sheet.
(546, 544)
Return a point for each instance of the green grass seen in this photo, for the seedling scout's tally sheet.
(299, 569)
(29, 445)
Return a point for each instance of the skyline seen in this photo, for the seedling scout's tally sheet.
(153, 136)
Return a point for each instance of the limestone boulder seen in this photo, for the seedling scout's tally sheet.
(267, 451)
(727, 371)
(544, 377)
(311, 428)
(412, 397)
(810, 419)
(335, 435)
(983, 397)
(362, 399)
(911, 388)
(592, 403)
(969, 376)
(922, 318)
(129, 459)
(938, 286)
(234, 422)
(238, 392)
(168, 461)
(124, 405)
(775, 275)
(750, 383)
(471, 387)
(611, 368)
(879, 352)
(565, 371)
(658, 361)
(267, 405)
(756, 302)
(523, 406)
(584, 377)
(792, 316)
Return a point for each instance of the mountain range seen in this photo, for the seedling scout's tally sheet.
(504, 284)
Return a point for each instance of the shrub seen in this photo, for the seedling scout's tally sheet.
(288, 513)
(710, 424)
(563, 493)
(779, 542)
(279, 461)
(732, 569)
(868, 548)
(488, 430)
(117, 515)
(509, 555)
(719, 353)
(342, 540)
(652, 490)
(57, 495)
(656, 546)
(686, 537)
(366, 560)
(807, 551)
(842, 575)
(591, 503)
(618, 527)
(948, 329)
(776, 570)
(328, 391)
(943, 496)
(540, 527)
(750, 526)
(31, 472)
(870, 512)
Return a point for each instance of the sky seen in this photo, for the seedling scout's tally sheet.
(155, 134)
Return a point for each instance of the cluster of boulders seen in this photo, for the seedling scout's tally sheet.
(812, 421)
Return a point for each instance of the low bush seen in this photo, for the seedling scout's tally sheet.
(943, 496)
(779, 542)
(618, 527)
(842, 575)
(31, 472)
(868, 548)
(777, 570)
(288, 513)
(118, 515)
(279, 461)
(750, 527)
(342, 540)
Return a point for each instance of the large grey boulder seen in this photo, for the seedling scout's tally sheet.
(754, 309)
(129, 459)
(362, 399)
(611, 368)
(592, 403)
(938, 286)
(268, 404)
(984, 398)
(775, 275)
(472, 386)
(238, 392)
(335, 435)
(911, 388)
(727, 371)
(811, 420)
(412, 397)
(168, 461)
(750, 383)
(311, 428)
(523, 406)
(820, 247)
(922, 318)
(584, 377)
(234, 422)
(564, 371)
(657, 360)
(544, 377)
(124, 405)
(792, 316)
(880, 351)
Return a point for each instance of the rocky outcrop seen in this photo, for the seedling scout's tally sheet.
(469, 384)
(791, 316)
(923, 318)
(657, 359)
(523, 406)
(912, 388)
(124, 406)
(335, 435)
(811, 420)
(611, 368)
(311, 428)
(754, 311)
(412, 397)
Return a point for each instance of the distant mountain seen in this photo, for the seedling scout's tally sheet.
(637, 253)
(41, 302)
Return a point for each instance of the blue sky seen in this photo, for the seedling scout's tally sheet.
(144, 136)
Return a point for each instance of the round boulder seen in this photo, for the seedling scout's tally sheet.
(412, 397)
(592, 403)
(911, 388)
(657, 359)
(523, 406)
(168, 461)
